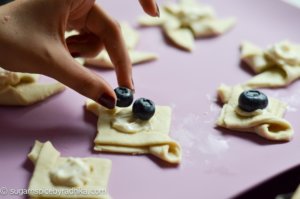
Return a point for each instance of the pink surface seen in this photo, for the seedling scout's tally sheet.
(216, 163)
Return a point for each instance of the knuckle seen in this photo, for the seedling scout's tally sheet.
(115, 27)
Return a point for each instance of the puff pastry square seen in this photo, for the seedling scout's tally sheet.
(268, 123)
(155, 141)
(272, 70)
(45, 157)
(22, 89)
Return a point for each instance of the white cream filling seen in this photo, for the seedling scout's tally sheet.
(125, 122)
(73, 173)
(248, 114)
(285, 53)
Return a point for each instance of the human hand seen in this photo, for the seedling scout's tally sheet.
(32, 40)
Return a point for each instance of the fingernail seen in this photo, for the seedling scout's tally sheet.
(157, 11)
(107, 101)
(75, 54)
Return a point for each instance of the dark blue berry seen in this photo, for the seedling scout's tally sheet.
(124, 96)
(143, 109)
(252, 100)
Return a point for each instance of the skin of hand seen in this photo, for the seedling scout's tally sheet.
(32, 40)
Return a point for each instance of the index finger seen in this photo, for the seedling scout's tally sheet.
(106, 28)
(150, 7)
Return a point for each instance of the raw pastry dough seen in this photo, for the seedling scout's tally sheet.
(155, 140)
(267, 123)
(131, 39)
(187, 20)
(22, 88)
(277, 66)
(296, 194)
(102, 60)
(186, 40)
(46, 158)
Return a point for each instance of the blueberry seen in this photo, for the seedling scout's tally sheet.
(143, 109)
(124, 96)
(252, 100)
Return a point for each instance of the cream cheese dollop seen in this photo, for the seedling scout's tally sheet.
(125, 122)
(285, 53)
(74, 172)
(240, 112)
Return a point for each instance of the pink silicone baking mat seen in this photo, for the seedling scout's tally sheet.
(216, 163)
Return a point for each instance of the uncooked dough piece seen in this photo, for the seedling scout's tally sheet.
(184, 21)
(183, 38)
(103, 60)
(155, 140)
(131, 38)
(296, 194)
(46, 158)
(268, 123)
(130, 35)
(253, 56)
(277, 66)
(212, 27)
(22, 89)
(147, 20)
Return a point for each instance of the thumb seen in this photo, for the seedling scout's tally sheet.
(69, 72)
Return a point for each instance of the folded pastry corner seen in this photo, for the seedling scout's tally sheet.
(271, 78)
(267, 123)
(224, 93)
(101, 60)
(170, 152)
(253, 56)
(120, 132)
(35, 151)
(212, 27)
(183, 38)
